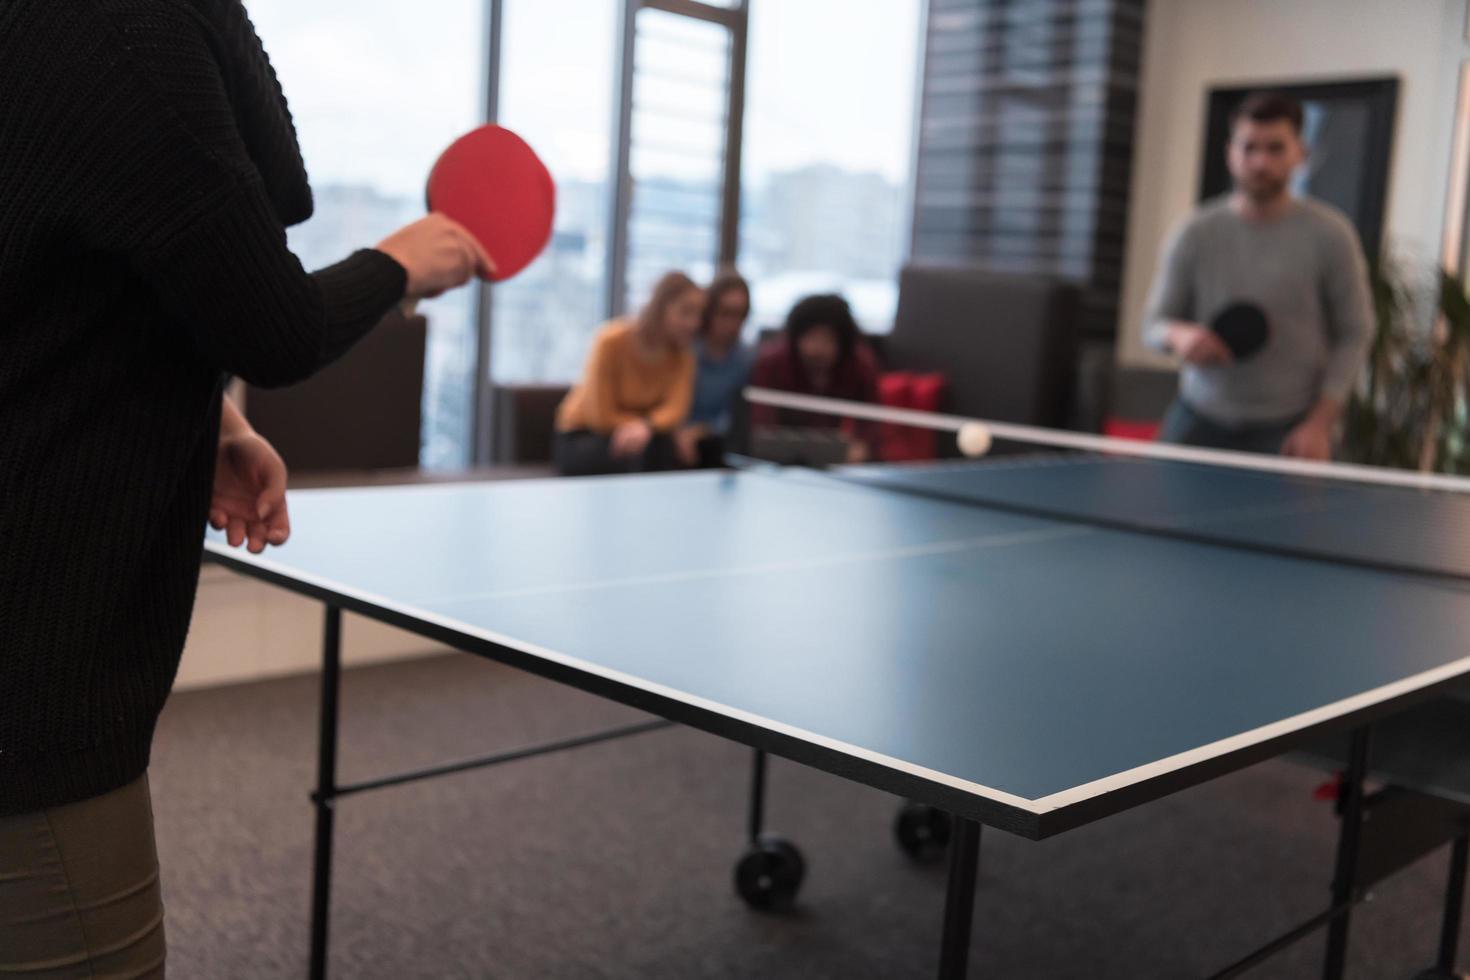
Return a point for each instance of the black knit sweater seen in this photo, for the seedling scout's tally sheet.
(148, 168)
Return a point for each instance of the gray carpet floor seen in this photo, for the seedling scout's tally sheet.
(615, 861)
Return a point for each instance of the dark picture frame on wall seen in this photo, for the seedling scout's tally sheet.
(1349, 129)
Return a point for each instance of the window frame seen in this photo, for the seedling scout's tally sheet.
(734, 19)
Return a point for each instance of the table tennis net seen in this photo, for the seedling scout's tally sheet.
(1393, 529)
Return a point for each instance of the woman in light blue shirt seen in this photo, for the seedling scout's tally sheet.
(723, 367)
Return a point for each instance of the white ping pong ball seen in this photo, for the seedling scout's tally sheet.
(974, 439)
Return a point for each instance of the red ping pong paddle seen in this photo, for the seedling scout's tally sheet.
(493, 183)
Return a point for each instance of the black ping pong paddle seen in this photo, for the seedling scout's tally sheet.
(1243, 328)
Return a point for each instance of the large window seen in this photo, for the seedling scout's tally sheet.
(555, 91)
(377, 89)
(828, 152)
(677, 154)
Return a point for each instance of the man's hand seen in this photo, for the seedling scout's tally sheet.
(858, 452)
(1312, 439)
(1197, 345)
(249, 502)
(630, 438)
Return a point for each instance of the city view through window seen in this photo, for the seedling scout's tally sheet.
(824, 183)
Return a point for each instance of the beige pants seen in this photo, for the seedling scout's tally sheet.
(79, 893)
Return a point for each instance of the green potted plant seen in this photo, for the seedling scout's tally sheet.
(1410, 409)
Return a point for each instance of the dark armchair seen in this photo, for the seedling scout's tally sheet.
(363, 412)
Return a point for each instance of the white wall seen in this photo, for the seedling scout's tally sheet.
(245, 630)
(1194, 45)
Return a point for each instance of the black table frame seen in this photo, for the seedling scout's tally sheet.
(1348, 888)
(1430, 822)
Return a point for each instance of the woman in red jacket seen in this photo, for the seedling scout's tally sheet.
(819, 352)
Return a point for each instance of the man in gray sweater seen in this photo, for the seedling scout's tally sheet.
(1300, 262)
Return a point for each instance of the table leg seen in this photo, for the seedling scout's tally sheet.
(757, 816)
(326, 787)
(1454, 904)
(1344, 878)
(959, 902)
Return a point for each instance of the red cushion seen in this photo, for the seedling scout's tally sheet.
(928, 392)
(904, 389)
(1144, 430)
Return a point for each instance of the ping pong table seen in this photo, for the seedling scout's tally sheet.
(1028, 643)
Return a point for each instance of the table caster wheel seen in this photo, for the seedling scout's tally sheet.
(922, 831)
(769, 873)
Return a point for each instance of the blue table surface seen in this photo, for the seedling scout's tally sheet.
(1429, 530)
(1011, 656)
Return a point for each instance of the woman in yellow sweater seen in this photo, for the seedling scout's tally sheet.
(636, 389)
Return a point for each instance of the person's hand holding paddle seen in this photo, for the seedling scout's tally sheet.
(439, 254)
(491, 202)
(1196, 344)
(1237, 332)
